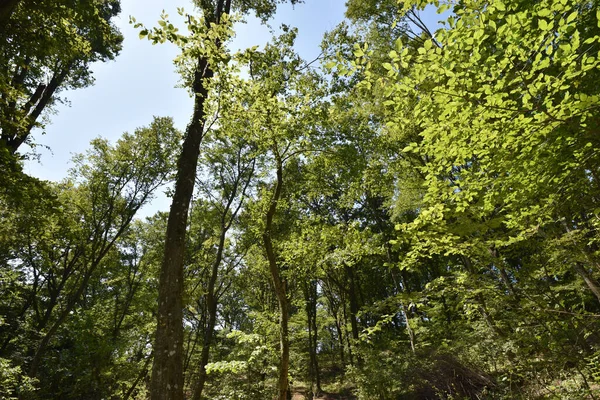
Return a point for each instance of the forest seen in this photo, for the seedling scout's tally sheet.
(413, 214)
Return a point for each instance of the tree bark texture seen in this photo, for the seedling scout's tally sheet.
(167, 379)
(167, 369)
(311, 314)
(279, 285)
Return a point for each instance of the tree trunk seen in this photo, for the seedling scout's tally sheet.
(167, 369)
(211, 305)
(311, 314)
(411, 333)
(579, 268)
(279, 285)
(353, 302)
(141, 375)
(589, 281)
(346, 334)
(338, 328)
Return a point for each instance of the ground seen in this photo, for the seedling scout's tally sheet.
(301, 393)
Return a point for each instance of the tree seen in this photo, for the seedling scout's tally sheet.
(37, 64)
(77, 229)
(282, 99)
(502, 107)
(204, 52)
(231, 163)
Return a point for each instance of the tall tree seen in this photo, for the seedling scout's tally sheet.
(204, 51)
(167, 380)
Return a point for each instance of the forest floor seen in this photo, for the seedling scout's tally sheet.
(301, 393)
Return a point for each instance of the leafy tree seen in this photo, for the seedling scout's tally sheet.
(47, 47)
(204, 53)
(55, 262)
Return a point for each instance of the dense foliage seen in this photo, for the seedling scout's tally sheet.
(413, 215)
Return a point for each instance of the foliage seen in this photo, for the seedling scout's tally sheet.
(416, 219)
(47, 47)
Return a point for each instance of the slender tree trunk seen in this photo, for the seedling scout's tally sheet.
(211, 305)
(72, 302)
(279, 285)
(347, 335)
(311, 314)
(167, 370)
(141, 375)
(411, 333)
(212, 296)
(499, 264)
(403, 288)
(579, 268)
(40, 99)
(338, 328)
(589, 281)
(353, 302)
(315, 348)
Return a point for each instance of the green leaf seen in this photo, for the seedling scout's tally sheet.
(544, 12)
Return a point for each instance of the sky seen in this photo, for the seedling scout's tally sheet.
(141, 82)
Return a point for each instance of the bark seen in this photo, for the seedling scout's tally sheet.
(589, 281)
(353, 302)
(311, 314)
(211, 304)
(167, 370)
(279, 285)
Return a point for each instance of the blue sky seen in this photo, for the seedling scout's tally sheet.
(141, 82)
